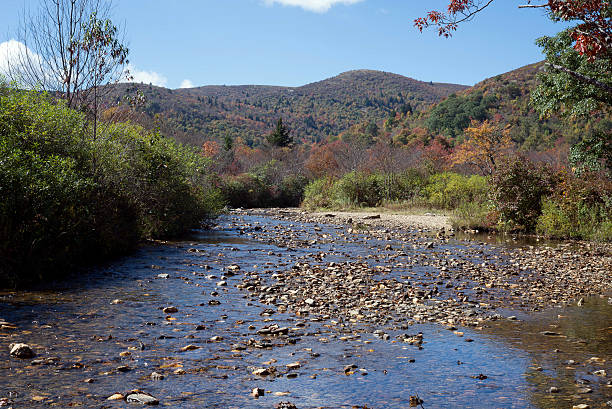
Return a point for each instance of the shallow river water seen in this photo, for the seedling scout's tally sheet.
(85, 328)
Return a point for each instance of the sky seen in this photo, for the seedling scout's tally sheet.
(186, 43)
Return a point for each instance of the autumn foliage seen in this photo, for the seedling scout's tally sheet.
(592, 36)
(486, 144)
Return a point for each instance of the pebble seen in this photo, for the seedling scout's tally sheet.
(142, 399)
(257, 392)
(170, 310)
(156, 376)
(189, 348)
(23, 351)
(285, 405)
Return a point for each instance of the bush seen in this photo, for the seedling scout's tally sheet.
(320, 193)
(292, 191)
(450, 190)
(406, 186)
(517, 189)
(361, 189)
(579, 208)
(245, 190)
(66, 198)
(258, 189)
(473, 215)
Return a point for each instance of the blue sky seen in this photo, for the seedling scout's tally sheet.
(201, 42)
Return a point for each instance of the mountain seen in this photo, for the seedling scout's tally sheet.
(313, 112)
(503, 99)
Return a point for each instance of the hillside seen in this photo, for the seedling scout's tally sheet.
(503, 99)
(313, 112)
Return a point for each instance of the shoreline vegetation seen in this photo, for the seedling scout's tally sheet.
(71, 198)
(519, 197)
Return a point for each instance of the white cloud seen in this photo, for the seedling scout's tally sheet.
(146, 77)
(186, 84)
(318, 6)
(12, 52)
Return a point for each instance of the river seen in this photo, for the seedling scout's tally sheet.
(104, 331)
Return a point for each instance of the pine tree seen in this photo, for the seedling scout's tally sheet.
(280, 137)
(228, 143)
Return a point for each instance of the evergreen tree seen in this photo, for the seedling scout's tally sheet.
(228, 143)
(280, 137)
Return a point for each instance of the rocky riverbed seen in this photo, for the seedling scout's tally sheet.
(280, 308)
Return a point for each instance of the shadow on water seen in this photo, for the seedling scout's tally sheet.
(92, 324)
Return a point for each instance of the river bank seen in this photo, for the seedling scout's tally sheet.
(310, 313)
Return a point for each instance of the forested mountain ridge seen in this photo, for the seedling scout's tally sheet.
(503, 100)
(313, 112)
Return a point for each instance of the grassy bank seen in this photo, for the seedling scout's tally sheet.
(70, 198)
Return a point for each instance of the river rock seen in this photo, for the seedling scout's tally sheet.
(116, 396)
(170, 310)
(142, 399)
(156, 376)
(293, 366)
(189, 348)
(22, 351)
(285, 405)
(257, 392)
(261, 372)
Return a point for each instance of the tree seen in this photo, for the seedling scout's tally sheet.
(228, 142)
(594, 152)
(71, 48)
(484, 146)
(108, 56)
(591, 37)
(572, 84)
(578, 76)
(280, 137)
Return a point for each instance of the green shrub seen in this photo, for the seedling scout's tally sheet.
(579, 208)
(260, 189)
(405, 186)
(361, 189)
(245, 190)
(66, 198)
(472, 215)
(320, 193)
(292, 191)
(517, 189)
(450, 190)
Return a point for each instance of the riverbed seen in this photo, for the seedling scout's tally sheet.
(318, 313)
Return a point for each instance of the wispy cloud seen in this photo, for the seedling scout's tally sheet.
(186, 84)
(146, 77)
(318, 6)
